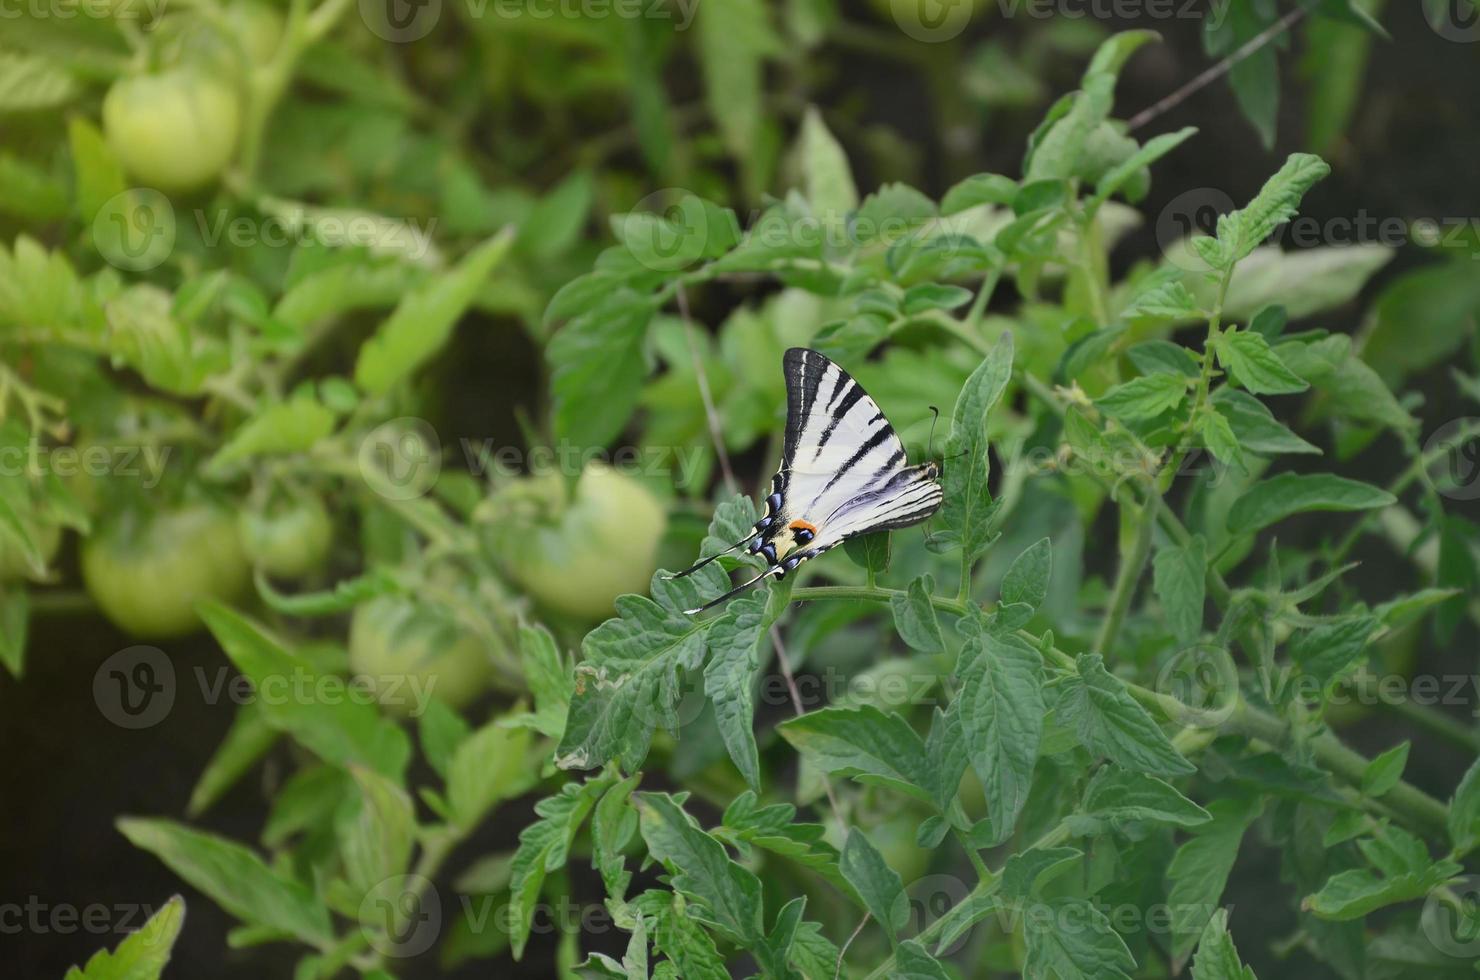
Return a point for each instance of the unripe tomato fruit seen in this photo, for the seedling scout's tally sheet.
(584, 551)
(175, 130)
(258, 28)
(147, 574)
(405, 650)
(287, 539)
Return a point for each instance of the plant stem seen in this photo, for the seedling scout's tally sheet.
(1132, 564)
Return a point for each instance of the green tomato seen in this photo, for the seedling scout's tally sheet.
(147, 575)
(408, 653)
(289, 539)
(257, 27)
(13, 565)
(174, 131)
(583, 552)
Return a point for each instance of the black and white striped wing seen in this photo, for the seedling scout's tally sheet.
(908, 497)
(839, 447)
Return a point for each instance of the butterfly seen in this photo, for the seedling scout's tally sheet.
(843, 473)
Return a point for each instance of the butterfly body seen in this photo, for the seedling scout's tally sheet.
(843, 472)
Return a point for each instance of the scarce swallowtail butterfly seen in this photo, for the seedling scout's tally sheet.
(843, 473)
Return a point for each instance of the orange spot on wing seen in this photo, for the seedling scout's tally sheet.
(802, 526)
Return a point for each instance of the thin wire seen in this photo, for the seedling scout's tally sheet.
(1217, 71)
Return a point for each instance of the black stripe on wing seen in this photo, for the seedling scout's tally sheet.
(803, 370)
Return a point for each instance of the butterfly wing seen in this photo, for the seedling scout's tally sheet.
(907, 497)
(838, 444)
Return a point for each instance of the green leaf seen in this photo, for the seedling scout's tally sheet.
(1358, 892)
(343, 731)
(1025, 872)
(864, 743)
(1026, 580)
(379, 841)
(734, 38)
(977, 190)
(555, 223)
(143, 953)
(1002, 710)
(1162, 355)
(729, 679)
(1329, 650)
(1385, 771)
(423, 320)
(1071, 939)
(1199, 870)
(1240, 232)
(1216, 957)
(548, 678)
(1217, 435)
(928, 296)
(246, 741)
(968, 503)
(912, 962)
(1421, 317)
(489, 766)
(1271, 501)
(543, 848)
(1124, 172)
(772, 828)
(1168, 300)
(826, 179)
(29, 83)
(726, 896)
(14, 620)
(1180, 580)
(441, 730)
(234, 878)
(1253, 427)
(1248, 358)
(596, 368)
(628, 680)
(280, 428)
(914, 616)
(1143, 398)
(1110, 722)
(875, 882)
(1464, 812)
(869, 551)
(612, 825)
(679, 937)
(1118, 795)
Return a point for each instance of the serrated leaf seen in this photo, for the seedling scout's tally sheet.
(1385, 771)
(1254, 428)
(1109, 722)
(734, 642)
(826, 179)
(1464, 811)
(1272, 500)
(1118, 795)
(543, 848)
(726, 895)
(284, 427)
(914, 616)
(1199, 870)
(1179, 578)
(1071, 939)
(1002, 710)
(1216, 957)
(1143, 398)
(1169, 301)
(1277, 201)
(596, 368)
(234, 878)
(968, 503)
(1248, 358)
(875, 882)
(628, 680)
(143, 954)
(864, 743)
(379, 841)
(977, 190)
(1026, 579)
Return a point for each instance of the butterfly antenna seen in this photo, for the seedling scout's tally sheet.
(700, 564)
(774, 569)
(930, 443)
